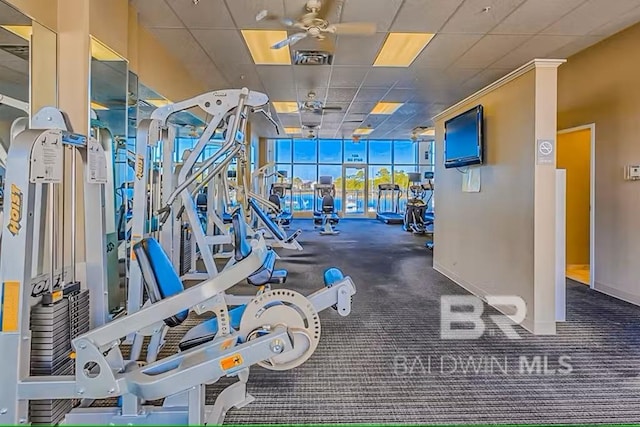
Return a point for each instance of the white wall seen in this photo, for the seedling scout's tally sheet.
(501, 241)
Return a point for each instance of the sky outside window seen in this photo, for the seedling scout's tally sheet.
(283, 150)
(330, 151)
(404, 153)
(304, 151)
(379, 152)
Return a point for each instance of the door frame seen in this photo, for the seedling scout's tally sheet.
(346, 166)
(592, 197)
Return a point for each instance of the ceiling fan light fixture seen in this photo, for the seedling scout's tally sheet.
(401, 49)
(386, 108)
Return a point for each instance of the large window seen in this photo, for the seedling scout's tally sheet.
(305, 151)
(388, 161)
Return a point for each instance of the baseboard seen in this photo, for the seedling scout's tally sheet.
(617, 293)
(527, 323)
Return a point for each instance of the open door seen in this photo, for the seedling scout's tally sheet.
(575, 156)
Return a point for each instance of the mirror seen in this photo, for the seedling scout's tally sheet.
(111, 100)
(28, 53)
(15, 35)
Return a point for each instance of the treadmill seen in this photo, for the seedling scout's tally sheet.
(392, 216)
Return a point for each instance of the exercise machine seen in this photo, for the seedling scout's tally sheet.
(389, 196)
(325, 215)
(68, 359)
(429, 215)
(414, 216)
(282, 191)
(274, 235)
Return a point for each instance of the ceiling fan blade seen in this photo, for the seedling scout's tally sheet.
(291, 40)
(264, 15)
(353, 28)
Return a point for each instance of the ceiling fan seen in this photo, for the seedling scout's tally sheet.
(313, 24)
(313, 105)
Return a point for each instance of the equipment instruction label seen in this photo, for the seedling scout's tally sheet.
(97, 163)
(46, 159)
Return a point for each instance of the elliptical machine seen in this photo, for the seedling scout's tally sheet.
(416, 210)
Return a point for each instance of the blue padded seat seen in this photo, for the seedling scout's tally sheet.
(160, 279)
(273, 228)
(242, 246)
(208, 329)
(332, 276)
(226, 218)
(266, 273)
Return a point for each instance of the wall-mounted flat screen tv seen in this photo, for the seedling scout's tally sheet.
(463, 139)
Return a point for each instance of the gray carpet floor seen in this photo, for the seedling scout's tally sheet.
(386, 363)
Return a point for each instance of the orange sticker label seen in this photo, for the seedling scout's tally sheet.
(231, 362)
(227, 344)
(10, 306)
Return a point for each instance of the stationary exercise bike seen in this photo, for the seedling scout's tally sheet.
(325, 215)
(415, 215)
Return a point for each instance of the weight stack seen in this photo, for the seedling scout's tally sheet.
(52, 329)
(185, 249)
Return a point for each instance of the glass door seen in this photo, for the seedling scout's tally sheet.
(354, 190)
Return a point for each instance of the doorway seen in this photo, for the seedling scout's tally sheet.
(354, 190)
(575, 154)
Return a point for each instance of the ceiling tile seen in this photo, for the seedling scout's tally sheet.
(591, 15)
(182, 44)
(341, 95)
(244, 13)
(399, 95)
(578, 45)
(225, 47)
(380, 11)
(361, 107)
(205, 14)
(207, 73)
(370, 94)
(156, 14)
(489, 49)
(472, 18)
(612, 27)
(424, 15)
(485, 78)
(289, 119)
(540, 46)
(303, 93)
(444, 49)
(354, 50)
(386, 77)
(311, 76)
(347, 76)
(280, 93)
(278, 77)
(535, 15)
